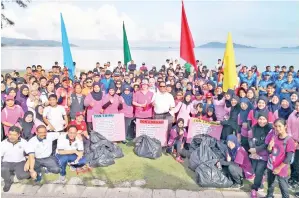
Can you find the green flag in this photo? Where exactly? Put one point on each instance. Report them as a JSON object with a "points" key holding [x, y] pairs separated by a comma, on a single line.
{"points": [[127, 53]]}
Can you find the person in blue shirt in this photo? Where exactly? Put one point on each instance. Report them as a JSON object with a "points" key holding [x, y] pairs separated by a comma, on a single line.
{"points": [[268, 71], [284, 70], [270, 90], [243, 73], [288, 87], [250, 79], [279, 81], [262, 87], [292, 70], [106, 81], [297, 78], [276, 73]]}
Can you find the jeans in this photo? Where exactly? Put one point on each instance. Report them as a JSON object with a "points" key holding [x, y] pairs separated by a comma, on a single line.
{"points": [[64, 159], [282, 182], [259, 167], [8, 169], [50, 163]]}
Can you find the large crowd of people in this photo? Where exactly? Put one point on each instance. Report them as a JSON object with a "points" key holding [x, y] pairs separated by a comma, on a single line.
{"points": [[47, 116]]}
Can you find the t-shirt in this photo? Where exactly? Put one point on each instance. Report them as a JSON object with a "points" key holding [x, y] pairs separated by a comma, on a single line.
{"points": [[278, 153], [80, 127], [243, 161], [55, 116]]}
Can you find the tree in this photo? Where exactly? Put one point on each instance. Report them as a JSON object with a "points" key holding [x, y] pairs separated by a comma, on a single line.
{"points": [[4, 19]]}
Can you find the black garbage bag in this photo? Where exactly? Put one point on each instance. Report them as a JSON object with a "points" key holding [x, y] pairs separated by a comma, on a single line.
{"points": [[209, 176], [117, 152], [96, 137], [147, 147], [102, 157]]}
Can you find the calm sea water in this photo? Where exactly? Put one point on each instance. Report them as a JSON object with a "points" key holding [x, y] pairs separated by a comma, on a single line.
{"points": [[20, 57]]}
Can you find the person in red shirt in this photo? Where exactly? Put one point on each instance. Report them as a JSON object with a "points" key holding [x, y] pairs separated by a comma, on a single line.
{"points": [[81, 125]]}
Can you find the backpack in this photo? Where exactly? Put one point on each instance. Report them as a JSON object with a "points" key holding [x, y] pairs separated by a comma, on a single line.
{"points": [[285, 141]]}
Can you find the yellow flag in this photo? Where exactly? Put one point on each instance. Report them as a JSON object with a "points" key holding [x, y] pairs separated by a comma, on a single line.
{"points": [[230, 80]]}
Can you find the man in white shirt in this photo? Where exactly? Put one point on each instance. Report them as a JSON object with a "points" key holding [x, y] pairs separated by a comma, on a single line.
{"points": [[163, 103], [55, 116], [41, 147], [70, 149], [13, 160]]}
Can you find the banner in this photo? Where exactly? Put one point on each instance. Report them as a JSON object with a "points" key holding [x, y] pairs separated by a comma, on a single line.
{"points": [[153, 128], [111, 126], [197, 127]]}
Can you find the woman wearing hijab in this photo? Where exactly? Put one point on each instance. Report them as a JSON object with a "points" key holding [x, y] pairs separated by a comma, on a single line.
{"points": [[189, 88], [3, 94], [184, 109], [126, 100], [230, 125], [210, 115], [119, 87], [111, 103], [260, 108], [28, 126], [93, 103], [284, 111], [294, 97], [246, 106], [22, 97], [177, 139], [258, 149], [237, 162], [39, 109], [274, 104]]}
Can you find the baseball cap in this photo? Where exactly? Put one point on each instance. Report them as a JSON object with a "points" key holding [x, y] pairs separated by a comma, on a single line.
{"points": [[209, 95], [108, 72], [116, 74], [65, 79], [9, 98], [79, 114]]}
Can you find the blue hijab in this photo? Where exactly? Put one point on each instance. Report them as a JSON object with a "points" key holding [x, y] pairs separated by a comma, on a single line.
{"points": [[233, 152], [128, 98], [244, 113], [285, 113]]}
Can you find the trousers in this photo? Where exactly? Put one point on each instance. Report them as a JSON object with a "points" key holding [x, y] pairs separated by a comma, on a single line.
{"points": [[295, 167], [165, 116], [282, 182], [50, 163], [9, 169], [64, 159], [234, 172], [259, 167]]}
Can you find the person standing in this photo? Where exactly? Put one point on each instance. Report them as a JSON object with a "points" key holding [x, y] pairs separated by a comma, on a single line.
{"points": [[163, 103], [13, 158]]}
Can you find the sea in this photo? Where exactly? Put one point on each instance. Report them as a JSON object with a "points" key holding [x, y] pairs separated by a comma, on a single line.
{"points": [[18, 58]]}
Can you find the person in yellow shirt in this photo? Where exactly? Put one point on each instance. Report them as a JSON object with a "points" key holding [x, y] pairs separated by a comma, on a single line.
{"points": [[88, 87]]}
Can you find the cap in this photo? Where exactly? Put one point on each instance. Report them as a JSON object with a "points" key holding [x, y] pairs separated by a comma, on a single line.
{"points": [[65, 79], [96, 74], [108, 72], [116, 74], [209, 95], [9, 98], [79, 114], [198, 94]]}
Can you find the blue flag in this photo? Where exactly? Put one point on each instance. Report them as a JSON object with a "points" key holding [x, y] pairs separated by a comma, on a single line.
{"points": [[67, 55]]}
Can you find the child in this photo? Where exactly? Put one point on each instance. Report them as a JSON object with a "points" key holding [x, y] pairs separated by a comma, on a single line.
{"points": [[258, 150], [237, 162], [246, 106], [210, 115], [27, 126], [81, 126], [281, 148], [199, 111], [177, 138]]}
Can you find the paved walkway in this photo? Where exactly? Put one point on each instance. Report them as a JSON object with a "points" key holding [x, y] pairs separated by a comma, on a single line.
{"points": [[79, 191]]}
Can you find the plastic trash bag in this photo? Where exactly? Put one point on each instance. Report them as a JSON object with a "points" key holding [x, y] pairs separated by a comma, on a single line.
{"points": [[102, 158], [147, 147]]}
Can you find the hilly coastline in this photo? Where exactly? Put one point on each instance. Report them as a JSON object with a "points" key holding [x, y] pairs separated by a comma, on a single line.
{"points": [[30, 43]]}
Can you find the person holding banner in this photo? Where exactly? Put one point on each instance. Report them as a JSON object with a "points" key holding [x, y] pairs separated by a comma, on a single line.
{"points": [[163, 103]]}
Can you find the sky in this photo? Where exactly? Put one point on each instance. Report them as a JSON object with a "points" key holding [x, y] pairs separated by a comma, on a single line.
{"points": [[264, 24]]}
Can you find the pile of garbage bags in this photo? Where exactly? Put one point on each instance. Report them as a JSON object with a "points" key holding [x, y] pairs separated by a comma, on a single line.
{"points": [[147, 147], [101, 152], [205, 152]]}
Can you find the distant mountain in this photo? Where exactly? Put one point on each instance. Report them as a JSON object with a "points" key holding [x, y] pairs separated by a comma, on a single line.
{"points": [[290, 47], [222, 45], [6, 42]]}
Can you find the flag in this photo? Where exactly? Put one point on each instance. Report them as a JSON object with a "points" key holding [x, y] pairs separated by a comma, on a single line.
{"points": [[127, 53], [67, 55], [187, 43], [230, 80]]}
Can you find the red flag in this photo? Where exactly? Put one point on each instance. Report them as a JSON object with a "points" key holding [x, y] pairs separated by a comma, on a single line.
{"points": [[187, 43]]}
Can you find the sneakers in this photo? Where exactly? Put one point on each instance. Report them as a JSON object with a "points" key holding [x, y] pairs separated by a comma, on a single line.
{"points": [[38, 178], [235, 185], [7, 186], [62, 179], [72, 168], [253, 193], [180, 160]]}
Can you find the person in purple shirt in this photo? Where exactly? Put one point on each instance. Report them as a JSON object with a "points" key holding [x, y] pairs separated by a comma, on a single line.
{"points": [[258, 150], [281, 148], [22, 97]]}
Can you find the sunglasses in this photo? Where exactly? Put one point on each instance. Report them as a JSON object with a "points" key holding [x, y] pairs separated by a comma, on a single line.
{"points": [[162, 86], [89, 81]]}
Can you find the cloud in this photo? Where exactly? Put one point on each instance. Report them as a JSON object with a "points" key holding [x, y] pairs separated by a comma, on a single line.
{"points": [[42, 21]]}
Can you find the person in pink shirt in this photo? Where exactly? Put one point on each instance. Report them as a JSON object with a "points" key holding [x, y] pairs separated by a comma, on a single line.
{"points": [[219, 104], [142, 100], [210, 115], [184, 109], [93, 102], [64, 93], [293, 131], [281, 148], [111, 102], [10, 114], [237, 164], [127, 110]]}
